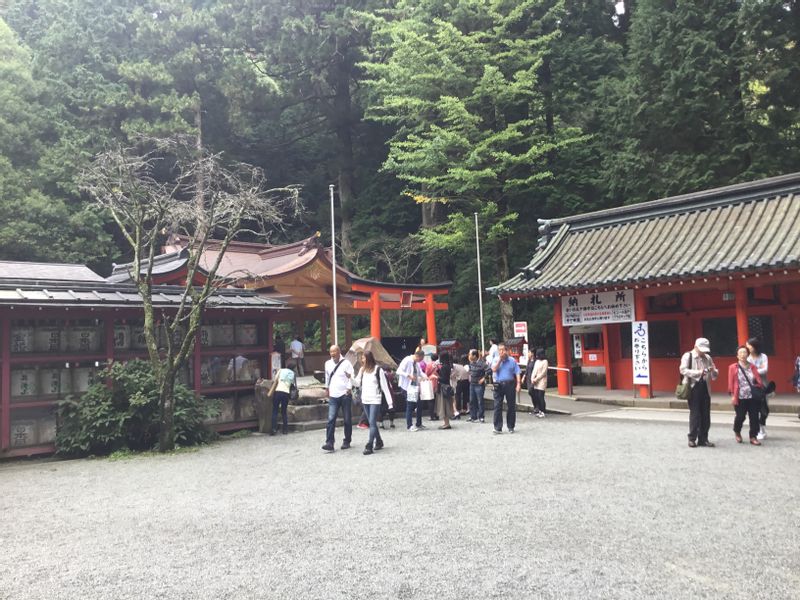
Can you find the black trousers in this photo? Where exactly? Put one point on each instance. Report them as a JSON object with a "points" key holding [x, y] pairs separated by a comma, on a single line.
{"points": [[507, 390], [763, 412], [462, 395], [537, 399], [749, 408], [699, 413]]}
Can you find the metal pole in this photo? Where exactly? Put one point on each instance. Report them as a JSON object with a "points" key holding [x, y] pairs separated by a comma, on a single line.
{"points": [[480, 286], [335, 324]]}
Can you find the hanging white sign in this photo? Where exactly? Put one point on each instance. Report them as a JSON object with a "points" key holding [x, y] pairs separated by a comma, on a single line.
{"points": [[641, 353], [577, 346], [600, 307], [521, 330]]}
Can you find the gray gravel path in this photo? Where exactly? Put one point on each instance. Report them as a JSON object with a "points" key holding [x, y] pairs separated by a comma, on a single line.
{"points": [[564, 508]]}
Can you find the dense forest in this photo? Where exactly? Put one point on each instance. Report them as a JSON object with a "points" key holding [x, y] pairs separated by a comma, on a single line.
{"points": [[422, 112]]}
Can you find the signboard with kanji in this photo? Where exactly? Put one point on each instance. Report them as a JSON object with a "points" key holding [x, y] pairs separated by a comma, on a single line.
{"points": [[521, 330], [600, 307], [641, 353]]}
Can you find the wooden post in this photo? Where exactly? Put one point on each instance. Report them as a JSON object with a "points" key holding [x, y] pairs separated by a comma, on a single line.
{"points": [[348, 331], [375, 315], [742, 327], [640, 303], [562, 350], [607, 359], [430, 319], [5, 383], [323, 332]]}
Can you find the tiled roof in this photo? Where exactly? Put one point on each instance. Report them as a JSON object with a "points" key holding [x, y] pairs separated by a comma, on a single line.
{"points": [[102, 294], [162, 264], [743, 228], [36, 271]]}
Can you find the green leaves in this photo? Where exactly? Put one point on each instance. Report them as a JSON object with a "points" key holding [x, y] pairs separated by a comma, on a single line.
{"points": [[121, 411]]}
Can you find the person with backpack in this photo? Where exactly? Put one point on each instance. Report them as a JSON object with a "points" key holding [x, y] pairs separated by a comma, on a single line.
{"points": [[338, 385], [696, 369], [374, 390], [282, 385], [747, 390]]}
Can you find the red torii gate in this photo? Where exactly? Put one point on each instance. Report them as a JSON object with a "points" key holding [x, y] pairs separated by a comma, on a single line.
{"points": [[421, 298]]}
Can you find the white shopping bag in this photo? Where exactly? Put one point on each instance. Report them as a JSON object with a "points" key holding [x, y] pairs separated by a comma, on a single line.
{"points": [[426, 390], [412, 394]]}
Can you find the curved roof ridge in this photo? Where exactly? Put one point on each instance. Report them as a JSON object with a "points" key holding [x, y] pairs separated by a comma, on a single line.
{"points": [[690, 202]]}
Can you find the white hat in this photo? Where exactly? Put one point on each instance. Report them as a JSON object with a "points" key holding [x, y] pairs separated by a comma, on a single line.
{"points": [[702, 344]]}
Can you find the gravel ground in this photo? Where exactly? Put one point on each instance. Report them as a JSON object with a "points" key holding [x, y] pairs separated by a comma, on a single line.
{"points": [[564, 508]]}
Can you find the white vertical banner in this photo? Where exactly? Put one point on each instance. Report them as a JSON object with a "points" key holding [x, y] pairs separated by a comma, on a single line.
{"points": [[577, 346], [641, 353], [521, 330]]}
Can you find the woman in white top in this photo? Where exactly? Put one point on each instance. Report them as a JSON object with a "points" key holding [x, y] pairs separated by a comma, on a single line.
{"points": [[760, 361], [372, 381]]}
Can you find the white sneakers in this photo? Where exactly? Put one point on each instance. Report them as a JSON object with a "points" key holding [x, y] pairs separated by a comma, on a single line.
{"points": [[413, 428], [762, 434]]}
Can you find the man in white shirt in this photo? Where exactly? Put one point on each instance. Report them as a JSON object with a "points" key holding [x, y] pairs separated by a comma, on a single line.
{"points": [[338, 385], [408, 374], [298, 355]]}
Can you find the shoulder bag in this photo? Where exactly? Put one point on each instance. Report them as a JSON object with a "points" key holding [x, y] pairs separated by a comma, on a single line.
{"points": [[757, 392], [684, 390]]}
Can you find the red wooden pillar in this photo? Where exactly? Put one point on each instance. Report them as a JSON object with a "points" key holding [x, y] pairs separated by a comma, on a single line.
{"points": [[742, 327], [430, 319], [562, 350], [5, 383], [607, 358], [645, 391], [375, 315]]}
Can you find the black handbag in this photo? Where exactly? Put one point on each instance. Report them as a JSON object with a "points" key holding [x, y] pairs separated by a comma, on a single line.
{"points": [[757, 392]]}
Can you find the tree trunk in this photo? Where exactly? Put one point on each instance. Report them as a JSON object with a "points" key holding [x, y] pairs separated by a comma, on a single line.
{"points": [[506, 310], [343, 125], [166, 434], [199, 197]]}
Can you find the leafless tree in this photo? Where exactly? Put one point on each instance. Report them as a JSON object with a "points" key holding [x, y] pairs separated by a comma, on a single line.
{"points": [[162, 186]]}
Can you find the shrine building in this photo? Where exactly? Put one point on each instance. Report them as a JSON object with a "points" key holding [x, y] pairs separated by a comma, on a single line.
{"points": [[633, 287], [300, 275]]}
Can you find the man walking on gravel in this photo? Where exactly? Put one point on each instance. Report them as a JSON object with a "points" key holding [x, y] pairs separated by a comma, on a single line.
{"points": [[697, 369], [339, 384], [506, 376]]}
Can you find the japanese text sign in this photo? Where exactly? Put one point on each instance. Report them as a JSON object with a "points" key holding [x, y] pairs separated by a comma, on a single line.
{"points": [[600, 307], [641, 353]]}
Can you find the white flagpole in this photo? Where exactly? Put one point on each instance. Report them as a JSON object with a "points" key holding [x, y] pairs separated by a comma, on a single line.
{"points": [[335, 324], [480, 286]]}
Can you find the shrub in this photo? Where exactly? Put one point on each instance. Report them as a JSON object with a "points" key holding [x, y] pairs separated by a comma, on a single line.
{"points": [[120, 411]]}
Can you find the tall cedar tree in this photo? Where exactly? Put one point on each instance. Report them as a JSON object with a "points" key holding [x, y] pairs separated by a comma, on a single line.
{"points": [[460, 81]]}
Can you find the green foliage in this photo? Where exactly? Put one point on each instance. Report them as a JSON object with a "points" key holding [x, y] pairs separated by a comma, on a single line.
{"points": [[124, 414]]}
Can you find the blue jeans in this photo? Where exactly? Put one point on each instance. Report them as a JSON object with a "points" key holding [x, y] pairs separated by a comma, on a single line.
{"points": [[476, 393], [346, 402], [507, 389], [280, 400], [373, 410], [410, 406]]}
